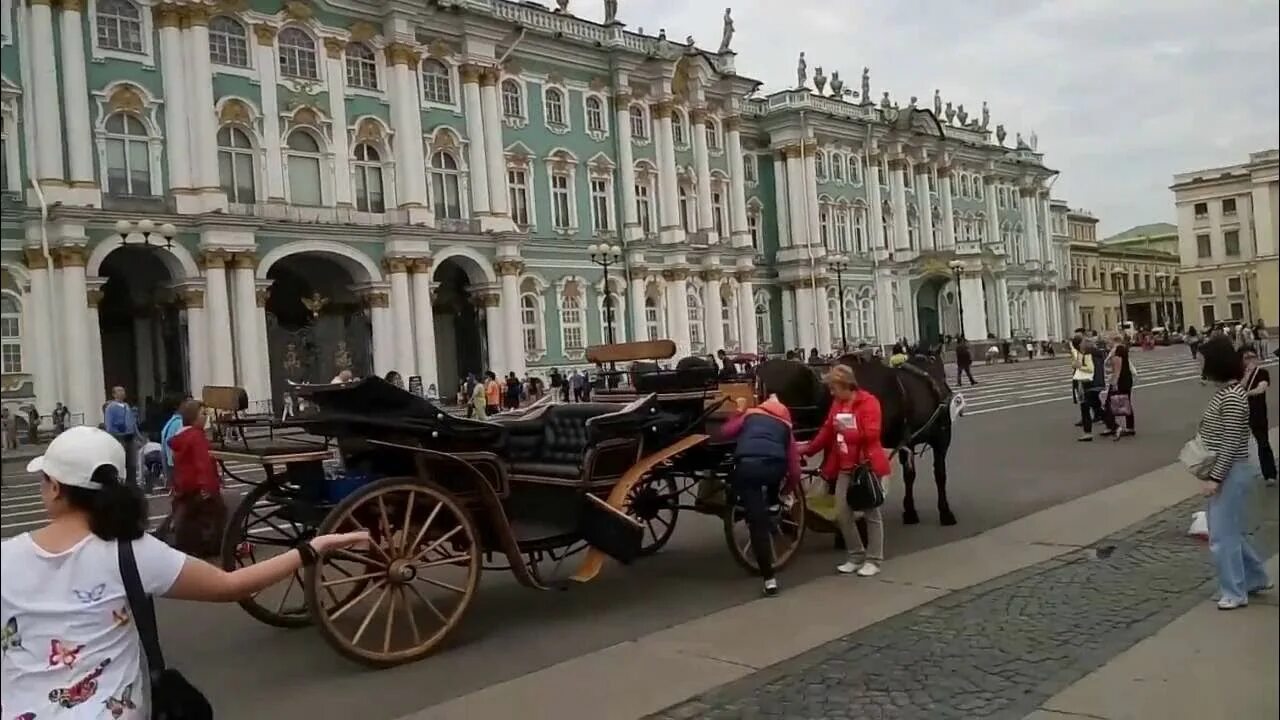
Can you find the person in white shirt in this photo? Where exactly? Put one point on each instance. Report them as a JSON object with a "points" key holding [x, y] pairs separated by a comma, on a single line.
{"points": [[70, 651]]}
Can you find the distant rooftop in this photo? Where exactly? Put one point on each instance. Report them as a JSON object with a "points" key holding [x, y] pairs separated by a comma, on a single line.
{"points": [[1262, 157], [1150, 230]]}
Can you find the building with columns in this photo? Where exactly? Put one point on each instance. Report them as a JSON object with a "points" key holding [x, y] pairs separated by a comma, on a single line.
{"points": [[254, 192], [1227, 240]]}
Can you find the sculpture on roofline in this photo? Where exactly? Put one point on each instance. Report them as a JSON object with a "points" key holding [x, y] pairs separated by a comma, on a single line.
{"points": [[950, 113], [562, 6], [1018, 143], [802, 71], [1033, 141], [726, 36], [937, 103], [819, 80], [1001, 135], [961, 115], [837, 85], [986, 116], [866, 86], [912, 105], [885, 104], [610, 12]]}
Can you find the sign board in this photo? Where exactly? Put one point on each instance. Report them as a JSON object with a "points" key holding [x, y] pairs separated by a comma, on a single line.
{"points": [[415, 385]]}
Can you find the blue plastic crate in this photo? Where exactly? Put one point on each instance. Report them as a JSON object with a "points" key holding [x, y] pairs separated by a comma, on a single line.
{"points": [[342, 485]]}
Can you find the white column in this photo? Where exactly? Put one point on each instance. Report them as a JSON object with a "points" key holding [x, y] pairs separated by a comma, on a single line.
{"points": [[748, 342], [780, 199], [204, 126], [788, 317], [1264, 225], [336, 79], [806, 323], [406, 117], [383, 327], [479, 184], [924, 202], [797, 197], [1003, 322], [495, 154], [638, 292], [252, 362], [993, 213], [678, 310], [1030, 233], [397, 270], [702, 166], [75, 96], [197, 340], [493, 329], [972, 300], [97, 373], [44, 77], [44, 362], [669, 200], [144, 357], [875, 206], [76, 335], [811, 193], [260, 294], [1046, 230], [737, 189], [886, 321], [174, 65], [510, 303], [898, 195], [271, 140], [627, 177], [218, 317], [424, 324], [713, 304], [823, 319], [945, 208]]}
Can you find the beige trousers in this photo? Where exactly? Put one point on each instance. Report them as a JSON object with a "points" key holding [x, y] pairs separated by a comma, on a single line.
{"points": [[846, 518]]}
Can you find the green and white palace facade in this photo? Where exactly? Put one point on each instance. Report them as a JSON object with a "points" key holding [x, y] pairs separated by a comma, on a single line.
{"points": [[252, 193]]}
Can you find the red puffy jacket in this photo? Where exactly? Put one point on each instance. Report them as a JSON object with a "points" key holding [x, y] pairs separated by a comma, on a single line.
{"points": [[862, 442], [194, 471]]}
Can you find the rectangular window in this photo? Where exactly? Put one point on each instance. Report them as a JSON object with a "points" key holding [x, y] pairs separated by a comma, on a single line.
{"points": [[1202, 210], [518, 192], [1204, 248], [717, 212], [560, 200], [753, 227], [1237, 311], [651, 323], [824, 227], [644, 208], [600, 204], [10, 339], [1206, 287], [1231, 243], [1229, 206], [1234, 285]]}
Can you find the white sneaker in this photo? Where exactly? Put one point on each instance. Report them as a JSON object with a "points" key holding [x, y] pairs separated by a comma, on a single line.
{"points": [[868, 569], [847, 567], [1230, 604]]}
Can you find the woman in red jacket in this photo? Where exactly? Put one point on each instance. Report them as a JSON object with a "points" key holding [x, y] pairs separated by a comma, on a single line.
{"points": [[849, 437], [199, 512]]}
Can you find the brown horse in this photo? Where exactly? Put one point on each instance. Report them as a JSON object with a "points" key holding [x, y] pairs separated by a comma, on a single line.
{"points": [[914, 402]]}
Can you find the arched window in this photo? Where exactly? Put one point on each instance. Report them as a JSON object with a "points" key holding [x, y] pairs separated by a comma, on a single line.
{"points": [[749, 169], [717, 208], [119, 26], [833, 316], [764, 326], [228, 42], [977, 187], [964, 185], [235, 165], [554, 98], [572, 324], [855, 169], [842, 229], [713, 134], [128, 156], [837, 167], [824, 225], [639, 126], [688, 210], [446, 182], [980, 224], [362, 67], [437, 83], [368, 170], [10, 334], [530, 323], [753, 227], [859, 229], [304, 169], [512, 100], [820, 165], [297, 54], [652, 319], [679, 130], [696, 328], [866, 315], [595, 114], [728, 326]]}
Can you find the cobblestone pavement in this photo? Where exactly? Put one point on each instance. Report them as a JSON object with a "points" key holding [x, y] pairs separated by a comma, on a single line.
{"points": [[999, 649]]}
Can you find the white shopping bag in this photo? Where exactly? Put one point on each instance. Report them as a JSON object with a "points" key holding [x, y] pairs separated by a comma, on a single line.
{"points": [[1199, 525], [957, 406]]}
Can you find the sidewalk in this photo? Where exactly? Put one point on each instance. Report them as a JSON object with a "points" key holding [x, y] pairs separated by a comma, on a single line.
{"points": [[1205, 665], [995, 625]]}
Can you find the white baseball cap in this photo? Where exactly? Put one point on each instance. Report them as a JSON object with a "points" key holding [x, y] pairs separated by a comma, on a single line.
{"points": [[78, 452]]}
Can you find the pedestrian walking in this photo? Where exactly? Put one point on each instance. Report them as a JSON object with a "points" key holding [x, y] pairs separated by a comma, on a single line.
{"points": [[1256, 381], [61, 415], [170, 428], [765, 454], [121, 423], [1193, 341], [1092, 371], [964, 363], [513, 391], [69, 635], [492, 394], [1120, 391], [849, 441], [199, 512], [10, 421], [33, 425], [478, 407], [576, 383], [1224, 436], [898, 356]]}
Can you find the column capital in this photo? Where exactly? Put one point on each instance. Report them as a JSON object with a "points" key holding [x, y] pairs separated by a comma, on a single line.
{"points": [[334, 47], [663, 108], [401, 54], [487, 298], [897, 163], [791, 152], [510, 266], [244, 261], [422, 265], [70, 256], [1027, 192], [469, 73], [212, 259], [71, 5], [196, 15], [697, 115], [261, 295], [489, 76], [712, 275], [395, 264], [93, 296], [266, 34], [744, 276], [167, 16], [732, 123], [944, 171], [33, 258], [675, 274], [192, 297], [375, 299], [622, 97]]}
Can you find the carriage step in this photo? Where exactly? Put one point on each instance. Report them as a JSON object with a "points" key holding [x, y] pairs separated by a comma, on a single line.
{"points": [[538, 530]]}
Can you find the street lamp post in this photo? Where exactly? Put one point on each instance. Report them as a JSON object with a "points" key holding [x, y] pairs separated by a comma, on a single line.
{"points": [[956, 266], [152, 235], [1161, 277], [1117, 277], [606, 256], [840, 263]]}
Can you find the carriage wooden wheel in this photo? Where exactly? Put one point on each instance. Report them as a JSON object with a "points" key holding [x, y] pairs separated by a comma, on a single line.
{"points": [[416, 580], [655, 502], [788, 534], [262, 526]]}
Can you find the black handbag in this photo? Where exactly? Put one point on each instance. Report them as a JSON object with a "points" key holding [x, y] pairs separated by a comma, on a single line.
{"points": [[865, 492], [172, 696]]}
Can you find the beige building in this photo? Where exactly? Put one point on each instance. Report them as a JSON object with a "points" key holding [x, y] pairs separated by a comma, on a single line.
{"points": [[1227, 240]]}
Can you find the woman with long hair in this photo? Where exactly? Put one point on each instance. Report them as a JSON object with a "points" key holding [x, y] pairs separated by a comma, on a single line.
{"points": [[68, 636], [1120, 391]]}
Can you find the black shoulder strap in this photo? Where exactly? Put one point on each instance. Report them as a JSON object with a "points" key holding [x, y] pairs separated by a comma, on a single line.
{"points": [[141, 607]]}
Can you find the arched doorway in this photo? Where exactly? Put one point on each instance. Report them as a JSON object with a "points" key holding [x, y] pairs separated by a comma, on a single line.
{"points": [[461, 346], [316, 323], [144, 347], [930, 310]]}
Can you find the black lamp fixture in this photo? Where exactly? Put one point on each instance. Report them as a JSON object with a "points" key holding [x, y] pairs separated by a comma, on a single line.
{"points": [[840, 263], [606, 256], [957, 266], [146, 233]]}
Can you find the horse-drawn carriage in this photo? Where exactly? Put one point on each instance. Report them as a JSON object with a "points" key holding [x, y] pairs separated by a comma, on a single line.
{"points": [[445, 497]]}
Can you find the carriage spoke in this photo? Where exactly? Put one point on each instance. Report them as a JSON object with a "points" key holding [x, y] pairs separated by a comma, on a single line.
{"points": [[408, 611], [422, 532], [339, 612], [385, 523], [285, 595], [373, 544], [438, 541], [408, 519], [351, 579], [391, 616], [362, 559], [432, 606], [443, 584], [451, 560], [368, 617]]}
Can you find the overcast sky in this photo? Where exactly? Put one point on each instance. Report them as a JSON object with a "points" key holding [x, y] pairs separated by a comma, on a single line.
{"points": [[1121, 93]]}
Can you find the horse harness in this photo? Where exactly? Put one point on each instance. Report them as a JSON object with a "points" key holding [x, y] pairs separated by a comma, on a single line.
{"points": [[938, 412]]}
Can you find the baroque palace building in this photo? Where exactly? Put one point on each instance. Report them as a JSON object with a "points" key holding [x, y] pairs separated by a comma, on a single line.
{"points": [[252, 193]]}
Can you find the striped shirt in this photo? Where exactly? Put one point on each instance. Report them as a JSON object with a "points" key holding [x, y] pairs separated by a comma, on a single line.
{"points": [[1224, 429]]}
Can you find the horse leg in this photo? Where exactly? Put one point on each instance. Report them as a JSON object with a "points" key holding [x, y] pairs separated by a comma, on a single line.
{"points": [[940, 445], [909, 516]]}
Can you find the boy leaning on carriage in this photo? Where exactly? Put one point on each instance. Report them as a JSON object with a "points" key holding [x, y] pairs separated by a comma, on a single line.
{"points": [[765, 455]]}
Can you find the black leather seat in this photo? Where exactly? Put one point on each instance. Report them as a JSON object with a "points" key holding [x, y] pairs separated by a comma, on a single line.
{"points": [[564, 441]]}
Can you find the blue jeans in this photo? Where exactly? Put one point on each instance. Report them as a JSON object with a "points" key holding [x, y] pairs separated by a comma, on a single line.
{"points": [[1239, 567]]}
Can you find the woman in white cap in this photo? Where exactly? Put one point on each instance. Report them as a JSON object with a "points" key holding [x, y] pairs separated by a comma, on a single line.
{"points": [[68, 639]]}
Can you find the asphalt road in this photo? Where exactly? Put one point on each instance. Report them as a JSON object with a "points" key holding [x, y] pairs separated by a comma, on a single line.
{"points": [[1014, 453]]}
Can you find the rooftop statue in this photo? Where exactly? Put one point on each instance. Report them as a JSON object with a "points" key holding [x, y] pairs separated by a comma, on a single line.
{"points": [[562, 6], [884, 101], [962, 115], [986, 116], [610, 12], [1034, 141], [937, 103], [1000, 135], [802, 71], [819, 80], [837, 85], [866, 86], [726, 36]]}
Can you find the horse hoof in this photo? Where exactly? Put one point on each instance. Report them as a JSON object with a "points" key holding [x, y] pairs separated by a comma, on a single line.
{"points": [[910, 517], [948, 519]]}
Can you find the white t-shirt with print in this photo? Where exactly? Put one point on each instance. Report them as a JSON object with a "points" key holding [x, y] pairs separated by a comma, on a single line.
{"points": [[71, 651]]}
